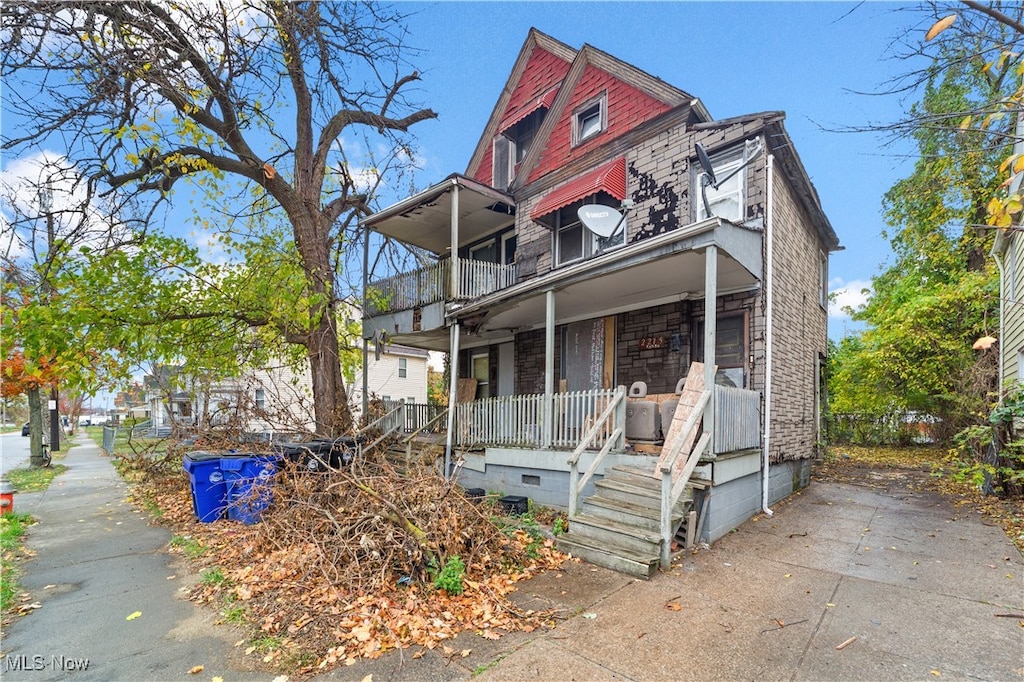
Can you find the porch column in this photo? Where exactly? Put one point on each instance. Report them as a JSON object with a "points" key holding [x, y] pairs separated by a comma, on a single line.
{"points": [[453, 388], [710, 335], [455, 241], [366, 342], [549, 368]]}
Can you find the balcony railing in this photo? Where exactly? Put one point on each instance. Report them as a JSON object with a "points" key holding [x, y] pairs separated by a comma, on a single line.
{"points": [[433, 283]]}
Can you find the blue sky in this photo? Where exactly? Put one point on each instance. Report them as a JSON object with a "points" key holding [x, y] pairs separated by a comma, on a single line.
{"points": [[807, 59]]}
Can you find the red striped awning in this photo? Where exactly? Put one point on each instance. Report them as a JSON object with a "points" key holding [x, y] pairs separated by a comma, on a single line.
{"points": [[519, 114], [610, 178]]}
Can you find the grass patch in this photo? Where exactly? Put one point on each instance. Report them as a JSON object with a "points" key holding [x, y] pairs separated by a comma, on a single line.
{"points": [[12, 528], [235, 614], [34, 479], [189, 546], [213, 576]]}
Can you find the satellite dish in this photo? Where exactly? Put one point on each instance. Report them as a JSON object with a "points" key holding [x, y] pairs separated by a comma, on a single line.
{"points": [[602, 220], [705, 162]]}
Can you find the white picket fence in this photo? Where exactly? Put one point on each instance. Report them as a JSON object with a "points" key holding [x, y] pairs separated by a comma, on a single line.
{"points": [[519, 420]]}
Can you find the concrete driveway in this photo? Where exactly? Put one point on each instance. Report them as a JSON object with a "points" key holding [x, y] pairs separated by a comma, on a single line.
{"points": [[916, 589]]}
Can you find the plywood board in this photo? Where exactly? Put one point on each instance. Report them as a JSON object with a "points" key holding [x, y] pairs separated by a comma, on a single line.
{"points": [[692, 390], [466, 391]]}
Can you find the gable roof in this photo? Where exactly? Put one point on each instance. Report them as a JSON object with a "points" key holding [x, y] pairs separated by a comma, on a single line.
{"points": [[554, 89], [535, 40]]}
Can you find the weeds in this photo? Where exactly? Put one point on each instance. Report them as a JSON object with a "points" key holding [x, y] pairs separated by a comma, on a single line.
{"points": [[213, 576], [12, 527], [189, 546], [34, 479], [450, 577]]}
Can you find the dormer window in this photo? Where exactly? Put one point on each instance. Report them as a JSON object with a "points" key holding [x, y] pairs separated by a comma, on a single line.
{"points": [[512, 145], [590, 119]]}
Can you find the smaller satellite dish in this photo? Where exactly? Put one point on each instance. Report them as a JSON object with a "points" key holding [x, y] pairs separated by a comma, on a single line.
{"points": [[601, 220], [705, 162]]}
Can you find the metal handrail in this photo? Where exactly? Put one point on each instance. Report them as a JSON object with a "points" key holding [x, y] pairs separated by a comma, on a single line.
{"points": [[575, 484]]}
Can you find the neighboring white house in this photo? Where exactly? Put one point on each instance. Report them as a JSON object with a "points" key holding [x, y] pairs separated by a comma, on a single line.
{"points": [[396, 373]]}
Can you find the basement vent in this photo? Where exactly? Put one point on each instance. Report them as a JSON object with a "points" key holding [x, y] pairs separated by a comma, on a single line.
{"points": [[531, 480]]}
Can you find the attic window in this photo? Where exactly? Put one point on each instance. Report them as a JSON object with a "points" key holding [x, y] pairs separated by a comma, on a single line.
{"points": [[511, 146], [590, 119]]}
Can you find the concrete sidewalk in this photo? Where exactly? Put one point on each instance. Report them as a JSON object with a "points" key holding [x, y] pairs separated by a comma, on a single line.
{"points": [[98, 561], [921, 585]]}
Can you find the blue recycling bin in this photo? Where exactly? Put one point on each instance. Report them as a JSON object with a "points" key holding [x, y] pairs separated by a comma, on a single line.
{"points": [[209, 490], [249, 479]]}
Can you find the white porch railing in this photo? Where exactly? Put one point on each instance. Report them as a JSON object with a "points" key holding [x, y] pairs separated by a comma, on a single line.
{"points": [[519, 420], [737, 419], [432, 283]]}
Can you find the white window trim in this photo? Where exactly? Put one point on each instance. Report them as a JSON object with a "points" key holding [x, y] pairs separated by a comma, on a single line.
{"points": [[403, 368], [502, 179], [724, 162], [601, 101]]}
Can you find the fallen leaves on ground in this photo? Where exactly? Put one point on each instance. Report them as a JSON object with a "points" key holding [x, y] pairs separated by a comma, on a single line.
{"points": [[921, 469], [341, 566]]}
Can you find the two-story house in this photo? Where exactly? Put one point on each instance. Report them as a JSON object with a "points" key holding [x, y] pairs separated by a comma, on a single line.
{"points": [[583, 266]]}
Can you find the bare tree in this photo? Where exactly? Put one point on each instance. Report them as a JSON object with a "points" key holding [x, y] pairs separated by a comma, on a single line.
{"points": [[260, 98]]}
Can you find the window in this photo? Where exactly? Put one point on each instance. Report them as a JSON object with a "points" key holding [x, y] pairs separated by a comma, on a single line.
{"points": [[511, 147], [575, 242], [410, 400], [590, 119], [729, 200], [823, 278], [261, 399], [482, 374], [403, 368]]}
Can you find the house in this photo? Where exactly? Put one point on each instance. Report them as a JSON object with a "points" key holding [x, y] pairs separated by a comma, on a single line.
{"points": [[587, 252], [1008, 251], [266, 400], [395, 373]]}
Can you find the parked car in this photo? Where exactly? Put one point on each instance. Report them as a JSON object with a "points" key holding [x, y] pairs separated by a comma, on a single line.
{"points": [[24, 429]]}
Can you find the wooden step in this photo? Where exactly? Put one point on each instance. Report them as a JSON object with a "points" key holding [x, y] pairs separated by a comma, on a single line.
{"points": [[619, 559], [600, 531], [642, 517]]}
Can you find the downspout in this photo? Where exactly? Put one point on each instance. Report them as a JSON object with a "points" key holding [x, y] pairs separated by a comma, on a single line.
{"points": [[998, 253], [768, 282]]}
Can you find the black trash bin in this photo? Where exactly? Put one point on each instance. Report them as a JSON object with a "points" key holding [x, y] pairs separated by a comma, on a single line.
{"points": [[320, 455]]}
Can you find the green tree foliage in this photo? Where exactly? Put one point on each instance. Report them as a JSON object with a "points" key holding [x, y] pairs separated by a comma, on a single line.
{"points": [[256, 106], [941, 292]]}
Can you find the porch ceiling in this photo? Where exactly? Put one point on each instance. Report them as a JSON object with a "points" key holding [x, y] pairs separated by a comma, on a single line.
{"points": [[424, 220], [674, 271]]}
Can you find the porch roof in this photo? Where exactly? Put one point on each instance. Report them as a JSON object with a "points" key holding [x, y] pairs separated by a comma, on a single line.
{"points": [[659, 270], [424, 219]]}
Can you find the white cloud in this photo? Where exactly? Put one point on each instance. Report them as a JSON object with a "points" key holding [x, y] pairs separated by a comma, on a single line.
{"points": [[851, 295]]}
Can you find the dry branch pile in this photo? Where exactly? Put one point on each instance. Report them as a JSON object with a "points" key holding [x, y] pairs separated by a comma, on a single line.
{"points": [[342, 565]]}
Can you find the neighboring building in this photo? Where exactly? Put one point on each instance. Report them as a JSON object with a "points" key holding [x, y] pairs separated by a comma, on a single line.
{"points": [[1008, 251], [273, 399], [396, 373], [547, 315]]}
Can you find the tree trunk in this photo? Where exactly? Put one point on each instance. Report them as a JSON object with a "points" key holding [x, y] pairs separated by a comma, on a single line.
{"points": [[330, 402], [35, 417]]}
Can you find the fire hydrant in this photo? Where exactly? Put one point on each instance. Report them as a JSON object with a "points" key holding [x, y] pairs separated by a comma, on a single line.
{"points": [[6, 497]]}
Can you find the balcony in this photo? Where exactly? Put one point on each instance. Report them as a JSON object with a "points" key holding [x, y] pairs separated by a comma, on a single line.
{"points": [[433, 284]]}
